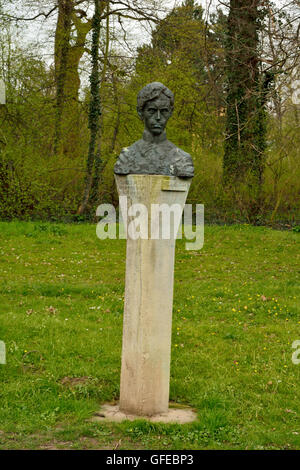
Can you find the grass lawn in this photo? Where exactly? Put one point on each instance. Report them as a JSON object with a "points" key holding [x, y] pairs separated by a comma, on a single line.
{"points": [[236, 315]]}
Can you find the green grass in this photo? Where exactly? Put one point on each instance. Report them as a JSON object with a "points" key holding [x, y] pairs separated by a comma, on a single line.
{"points": [[236, 315]]}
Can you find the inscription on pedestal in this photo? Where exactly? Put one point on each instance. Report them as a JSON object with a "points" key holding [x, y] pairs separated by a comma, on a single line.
{"points": [[172, 184]]}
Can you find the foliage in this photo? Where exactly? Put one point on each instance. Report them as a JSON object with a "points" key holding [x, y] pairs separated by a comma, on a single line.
{"points": [[186, 52]]}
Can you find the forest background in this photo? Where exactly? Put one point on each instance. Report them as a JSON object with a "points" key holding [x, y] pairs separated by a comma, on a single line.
{"points": [[71, 87]]}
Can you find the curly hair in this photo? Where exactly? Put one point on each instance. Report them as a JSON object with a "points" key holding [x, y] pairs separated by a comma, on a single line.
{"points": [[151, 92]]}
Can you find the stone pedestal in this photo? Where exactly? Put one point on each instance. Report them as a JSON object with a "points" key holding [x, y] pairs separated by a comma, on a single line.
{"points": [[147, 324]]}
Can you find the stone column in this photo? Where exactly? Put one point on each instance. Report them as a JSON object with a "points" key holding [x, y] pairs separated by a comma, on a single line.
{"points": [[147, 326]]}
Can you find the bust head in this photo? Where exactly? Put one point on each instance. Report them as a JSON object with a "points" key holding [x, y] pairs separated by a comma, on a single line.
{"points": [[154, 154], [155, 103]]}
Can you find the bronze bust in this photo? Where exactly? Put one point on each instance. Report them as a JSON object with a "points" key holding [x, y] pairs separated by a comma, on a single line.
{"points": [[154, 154]]}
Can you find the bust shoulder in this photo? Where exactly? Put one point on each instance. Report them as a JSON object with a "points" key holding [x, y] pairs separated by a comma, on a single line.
{"points": [[182, 153], [172, 147], [126, 151], [127, 159], [183, 163], [145, 157]]}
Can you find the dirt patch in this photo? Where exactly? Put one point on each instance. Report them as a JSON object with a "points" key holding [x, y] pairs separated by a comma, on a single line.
{"points": [[73, 381], [89, 443], [57, 445], [48, 447]]}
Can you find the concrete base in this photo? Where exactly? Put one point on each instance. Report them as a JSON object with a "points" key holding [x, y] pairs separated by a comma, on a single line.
{"points": [[173, 415]]}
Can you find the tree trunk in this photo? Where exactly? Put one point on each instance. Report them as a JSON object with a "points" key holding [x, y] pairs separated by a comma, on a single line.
{"points": [[67, 58], [93, 158], [245, 127], [62, 47]]}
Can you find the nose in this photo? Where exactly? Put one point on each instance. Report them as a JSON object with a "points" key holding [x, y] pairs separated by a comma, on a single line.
{"points": [[158, 115]]}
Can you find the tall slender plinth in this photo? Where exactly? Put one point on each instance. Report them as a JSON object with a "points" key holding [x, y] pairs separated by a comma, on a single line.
{"points": [[147, 324]]}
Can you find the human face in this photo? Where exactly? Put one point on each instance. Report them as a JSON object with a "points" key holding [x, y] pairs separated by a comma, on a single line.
{"points": [[156, 114]]}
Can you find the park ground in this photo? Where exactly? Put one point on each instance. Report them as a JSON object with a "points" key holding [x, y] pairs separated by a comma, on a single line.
{"points": [[236, 316]]}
